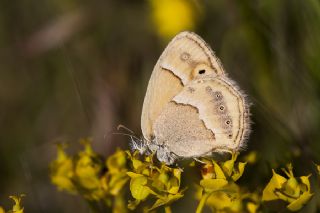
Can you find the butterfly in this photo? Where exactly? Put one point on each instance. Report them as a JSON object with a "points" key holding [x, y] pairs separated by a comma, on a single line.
{"points": [[192, 108]]}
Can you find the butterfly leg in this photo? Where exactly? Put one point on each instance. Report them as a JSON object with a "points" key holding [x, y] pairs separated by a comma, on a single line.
{"points": [[198, 160], [164, 155]]}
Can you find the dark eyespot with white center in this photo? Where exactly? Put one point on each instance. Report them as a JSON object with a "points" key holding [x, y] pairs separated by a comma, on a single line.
{"points": [[226, 122], [222, 109]]}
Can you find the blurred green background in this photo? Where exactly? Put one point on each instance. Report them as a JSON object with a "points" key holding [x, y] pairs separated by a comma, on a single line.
{"points": [[72, 69]]}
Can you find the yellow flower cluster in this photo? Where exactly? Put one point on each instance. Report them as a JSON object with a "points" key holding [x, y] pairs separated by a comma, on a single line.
{"points": [[155, 185], [87, 175], [295, 191], [16, 207], [147, 179], [220, 192]]}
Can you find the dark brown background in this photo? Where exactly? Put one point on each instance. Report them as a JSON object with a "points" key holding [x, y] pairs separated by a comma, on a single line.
{"points": [[71, 69]]}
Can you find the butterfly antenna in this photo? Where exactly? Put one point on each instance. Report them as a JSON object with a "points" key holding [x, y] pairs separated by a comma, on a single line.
{"points": [[120, 126], [136, 143], [126, 134]]}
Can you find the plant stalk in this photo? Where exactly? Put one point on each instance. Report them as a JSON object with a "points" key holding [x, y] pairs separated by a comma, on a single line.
{"points": [[202, 202]]}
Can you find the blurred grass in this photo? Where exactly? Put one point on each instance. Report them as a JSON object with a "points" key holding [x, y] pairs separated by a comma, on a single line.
{"points": [[70, 69]]}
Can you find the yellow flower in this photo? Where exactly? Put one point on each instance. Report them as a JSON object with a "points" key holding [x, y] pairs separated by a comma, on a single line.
{"points": [[295, 191], [116, 177], [318, 168], [17, 204], [218, 189], [228, 199], [117, 162], [88, 170], [251, 157], [228, 170], [173, 16], [147, 179], [17, 208], [62, 171], [252, 207]]}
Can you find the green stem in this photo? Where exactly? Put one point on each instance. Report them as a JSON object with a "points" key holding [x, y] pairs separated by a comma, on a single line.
{"points": [[167, 209], [202, 202]]}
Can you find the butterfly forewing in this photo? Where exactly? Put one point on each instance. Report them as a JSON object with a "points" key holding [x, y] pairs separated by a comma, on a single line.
{"points": [[174, 69]]}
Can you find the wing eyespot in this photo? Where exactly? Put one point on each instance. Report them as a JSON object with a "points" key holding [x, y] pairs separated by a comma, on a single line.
{"points": [[217, 95], [185, 56], [191, 89]]}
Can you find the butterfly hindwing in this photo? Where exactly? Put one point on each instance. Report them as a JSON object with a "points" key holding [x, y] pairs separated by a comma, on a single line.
{"points": [[221, 106]]}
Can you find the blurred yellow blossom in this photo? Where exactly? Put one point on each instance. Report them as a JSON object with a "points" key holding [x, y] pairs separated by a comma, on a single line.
{"points": [[173, 16], [17, 208], [251, 157], [88, 175], [253, 202], [88, 170], [116, 176], [318, 168], [295, 191], [114, 180], [17, 204], [62, 171]]}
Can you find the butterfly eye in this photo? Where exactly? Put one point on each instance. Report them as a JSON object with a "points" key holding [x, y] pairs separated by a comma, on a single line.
{"points": [[228, 122], [202, 72]]}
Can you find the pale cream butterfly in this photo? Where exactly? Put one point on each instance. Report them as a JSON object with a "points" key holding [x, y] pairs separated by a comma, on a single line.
{"points": [[191, 108]]}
